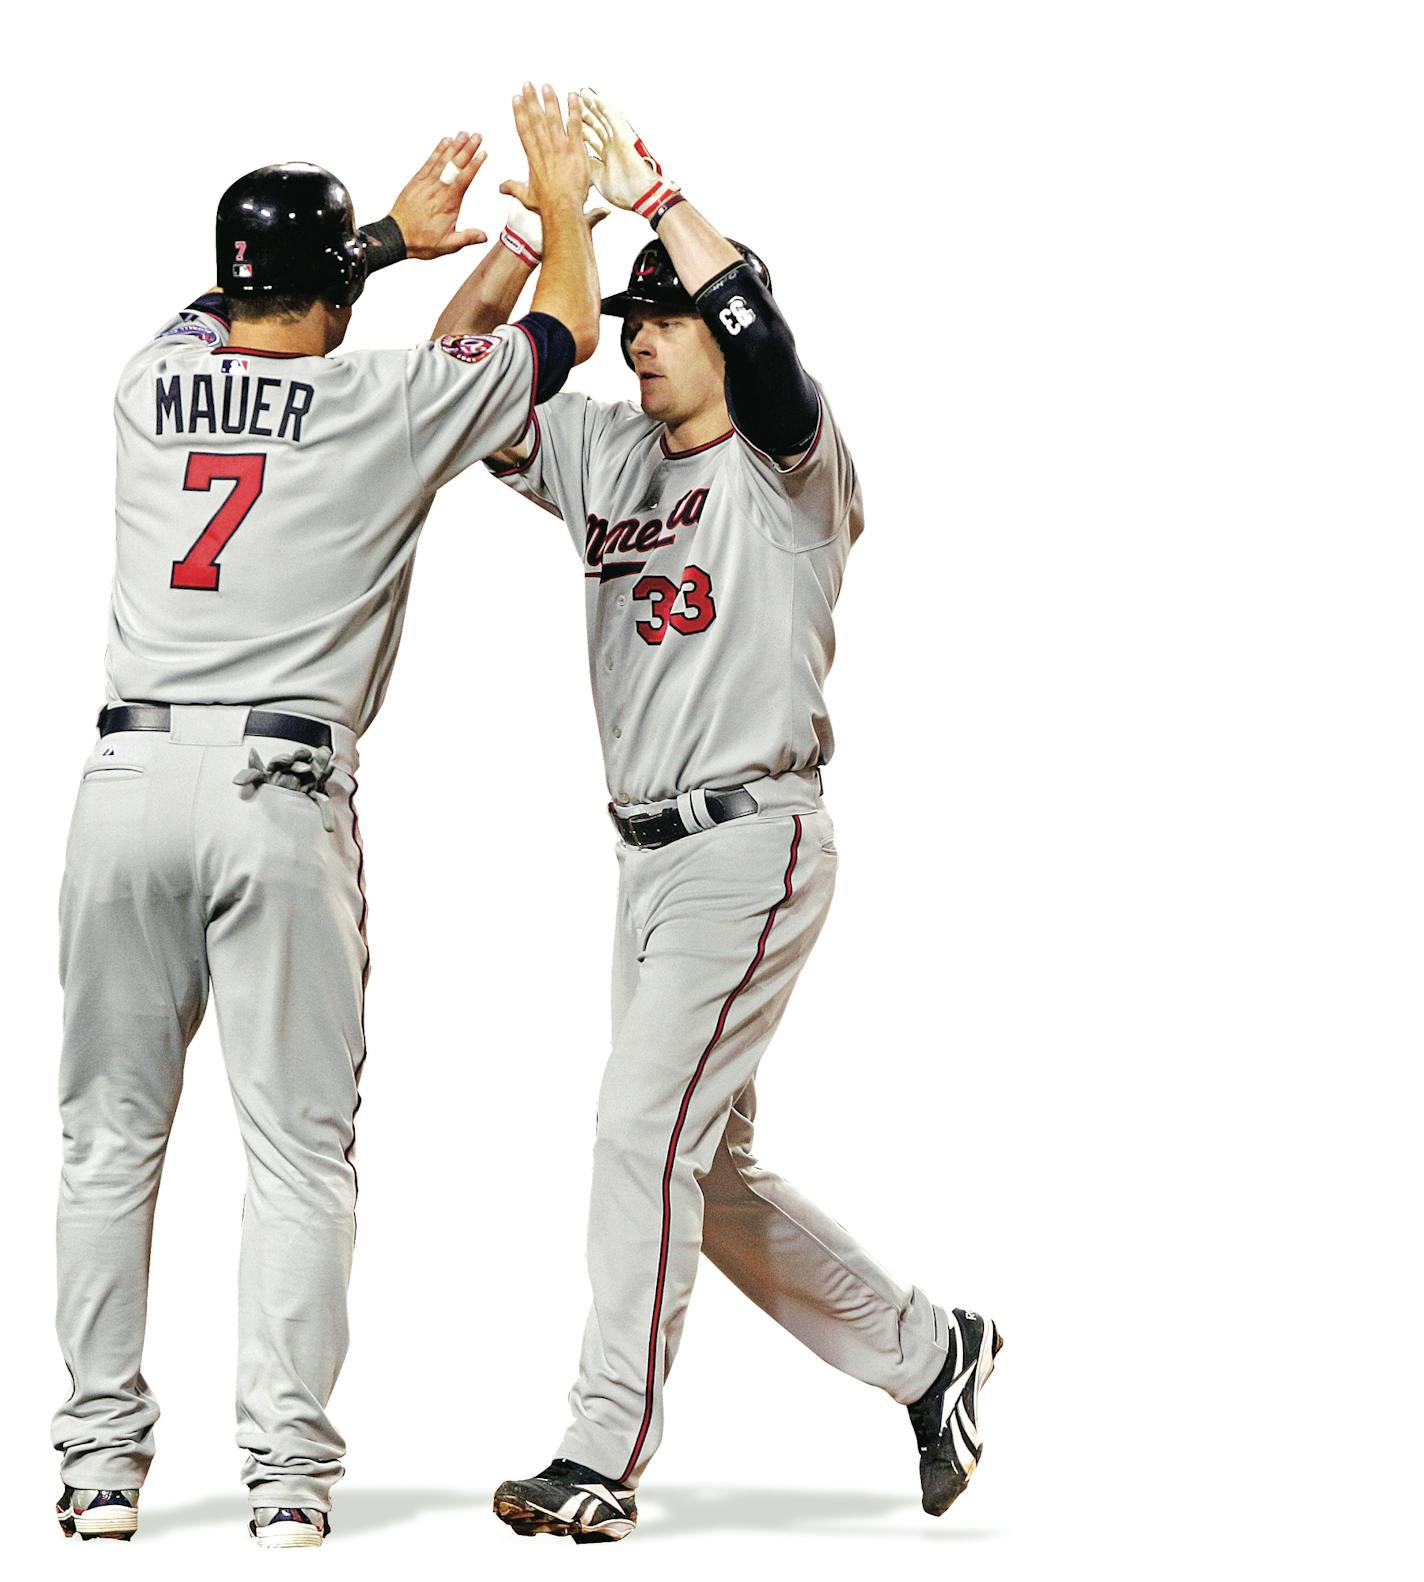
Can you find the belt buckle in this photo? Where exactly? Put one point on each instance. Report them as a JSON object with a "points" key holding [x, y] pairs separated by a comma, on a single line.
{"points": [[633, 833], [627, 828]]}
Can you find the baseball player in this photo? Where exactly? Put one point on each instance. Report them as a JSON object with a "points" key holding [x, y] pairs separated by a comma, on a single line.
{"points": [[270, 495], [714, 519]]}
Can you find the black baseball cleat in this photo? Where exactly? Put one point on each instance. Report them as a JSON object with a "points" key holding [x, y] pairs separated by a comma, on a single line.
{"points": [[946, 1416], [568, 1501], [98, 1513]]}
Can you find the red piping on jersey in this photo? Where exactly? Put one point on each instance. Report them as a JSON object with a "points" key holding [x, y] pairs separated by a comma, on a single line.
{"points": [[254, 351], [677, 1133], [696, 450], [534, 387], [523, 466], [365, 974]]}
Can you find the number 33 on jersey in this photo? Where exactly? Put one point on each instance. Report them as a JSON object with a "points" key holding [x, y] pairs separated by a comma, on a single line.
{"points": [[710, 578]]}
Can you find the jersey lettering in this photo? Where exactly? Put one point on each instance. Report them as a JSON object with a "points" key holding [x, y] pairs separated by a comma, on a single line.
{"points": [[199, 567], [631, 535], [244, 407], [698, 608]]}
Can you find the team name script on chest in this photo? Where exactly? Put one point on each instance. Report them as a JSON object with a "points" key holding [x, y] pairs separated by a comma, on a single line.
{"points": [[608, 546]]}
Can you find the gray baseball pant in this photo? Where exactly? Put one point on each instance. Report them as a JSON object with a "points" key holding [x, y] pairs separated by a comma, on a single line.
{"points": [[711, 936], [173, 880]]}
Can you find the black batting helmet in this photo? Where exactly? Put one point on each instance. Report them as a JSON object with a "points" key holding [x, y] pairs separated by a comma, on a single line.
{"points": [[290, 230], [654, 283]]}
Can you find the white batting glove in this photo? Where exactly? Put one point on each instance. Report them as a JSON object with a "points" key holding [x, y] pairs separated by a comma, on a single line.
{"points": [[624, 170], [523, 234]]}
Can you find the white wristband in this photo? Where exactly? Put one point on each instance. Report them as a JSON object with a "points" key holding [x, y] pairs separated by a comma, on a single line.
{"points": [[523, 234], [521, 249]]}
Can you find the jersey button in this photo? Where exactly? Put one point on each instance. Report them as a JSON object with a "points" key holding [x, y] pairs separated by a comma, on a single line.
{"points": [[621, 600], [608, 662], [617, 730], [622, 799]]}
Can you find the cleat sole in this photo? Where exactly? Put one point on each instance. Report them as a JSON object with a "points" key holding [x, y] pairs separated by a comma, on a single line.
{"points": [[533, 1523]]}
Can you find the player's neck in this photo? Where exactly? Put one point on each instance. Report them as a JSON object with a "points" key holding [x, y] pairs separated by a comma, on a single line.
{"points": [[701, 428], [309, 336]]}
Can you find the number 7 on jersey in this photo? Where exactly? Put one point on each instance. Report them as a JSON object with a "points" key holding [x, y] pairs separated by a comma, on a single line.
{"points": [[199, 567]]}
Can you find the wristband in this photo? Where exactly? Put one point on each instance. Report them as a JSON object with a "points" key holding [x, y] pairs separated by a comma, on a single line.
{"points": [[521, 249], [656, 218], [384, 244]]}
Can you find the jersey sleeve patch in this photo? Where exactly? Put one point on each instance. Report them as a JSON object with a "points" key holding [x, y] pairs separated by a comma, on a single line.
{"points": [[192, 324], [469, 348]]}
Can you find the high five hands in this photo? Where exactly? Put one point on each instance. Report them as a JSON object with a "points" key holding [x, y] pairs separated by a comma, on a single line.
{"points": [[558, 160], [428, 209]]}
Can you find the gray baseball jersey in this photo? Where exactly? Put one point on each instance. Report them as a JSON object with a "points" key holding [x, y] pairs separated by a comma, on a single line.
{"points": [[711, 575], [268, 510], [269, 507]]}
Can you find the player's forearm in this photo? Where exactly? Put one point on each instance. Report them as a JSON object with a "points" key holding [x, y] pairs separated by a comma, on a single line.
{"points": [[568, 277], [487, 297], [696, 246]]}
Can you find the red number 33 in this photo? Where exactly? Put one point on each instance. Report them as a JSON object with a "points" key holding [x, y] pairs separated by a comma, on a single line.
{"points": [[697, 613]]}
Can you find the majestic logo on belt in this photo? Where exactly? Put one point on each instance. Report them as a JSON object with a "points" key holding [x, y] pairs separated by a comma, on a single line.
{"points": [[632, 535]]}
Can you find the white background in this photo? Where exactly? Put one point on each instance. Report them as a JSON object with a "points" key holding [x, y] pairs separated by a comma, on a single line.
{"points": [[1114, 1030]]}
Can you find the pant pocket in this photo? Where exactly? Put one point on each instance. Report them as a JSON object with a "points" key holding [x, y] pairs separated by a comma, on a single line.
{"points": [[114, 772]]}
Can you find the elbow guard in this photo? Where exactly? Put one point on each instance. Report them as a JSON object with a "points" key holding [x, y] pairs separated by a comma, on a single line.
{"points": [[769, 394]]}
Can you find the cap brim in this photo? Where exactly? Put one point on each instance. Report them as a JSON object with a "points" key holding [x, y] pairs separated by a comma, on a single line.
{"points": [[621, 305]]}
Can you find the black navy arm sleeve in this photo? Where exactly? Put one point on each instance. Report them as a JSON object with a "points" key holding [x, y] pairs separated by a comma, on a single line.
{"points": [[554, 347], [770, 396], [385, 244]]}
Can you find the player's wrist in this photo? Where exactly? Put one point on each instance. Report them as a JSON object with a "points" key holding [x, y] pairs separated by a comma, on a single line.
{"points": [[385, 244], [523, 234], [663, 209]]}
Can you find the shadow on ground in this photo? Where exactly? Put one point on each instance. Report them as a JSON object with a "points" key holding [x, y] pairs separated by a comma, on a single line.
{"points": [[665, 1512]]}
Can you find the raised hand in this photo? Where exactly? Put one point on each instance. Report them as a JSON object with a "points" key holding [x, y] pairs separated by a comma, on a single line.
{"points": [[624, 170], [428, 209], [558, 161]]}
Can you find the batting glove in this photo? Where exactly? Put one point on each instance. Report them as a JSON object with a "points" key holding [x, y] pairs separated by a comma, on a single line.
{"points": [[523, 234], [624, 170]]}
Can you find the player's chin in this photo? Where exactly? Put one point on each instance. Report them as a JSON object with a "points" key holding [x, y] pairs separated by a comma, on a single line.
{"points": [[655, 396]]}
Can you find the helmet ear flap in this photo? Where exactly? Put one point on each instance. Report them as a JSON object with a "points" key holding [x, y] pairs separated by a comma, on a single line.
{"points": [[348, 271]]}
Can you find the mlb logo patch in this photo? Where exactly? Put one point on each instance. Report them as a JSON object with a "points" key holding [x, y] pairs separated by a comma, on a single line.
{"points": [[234, 365], [468, 348], [242, 271]]}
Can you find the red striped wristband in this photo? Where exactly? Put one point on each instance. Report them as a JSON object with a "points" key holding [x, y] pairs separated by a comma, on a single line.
{"points": [[520, 248]]}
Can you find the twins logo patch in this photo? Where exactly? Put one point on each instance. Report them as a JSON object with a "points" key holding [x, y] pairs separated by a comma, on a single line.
{"points": [[468, 348]]}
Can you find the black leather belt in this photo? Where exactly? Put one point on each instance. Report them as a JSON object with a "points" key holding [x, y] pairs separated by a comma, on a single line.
{"points": [[661, 829], [260, 722]]}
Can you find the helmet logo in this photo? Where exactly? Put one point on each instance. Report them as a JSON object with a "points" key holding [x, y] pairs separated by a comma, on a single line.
{"points": [[241, 269], [647, 264]]}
